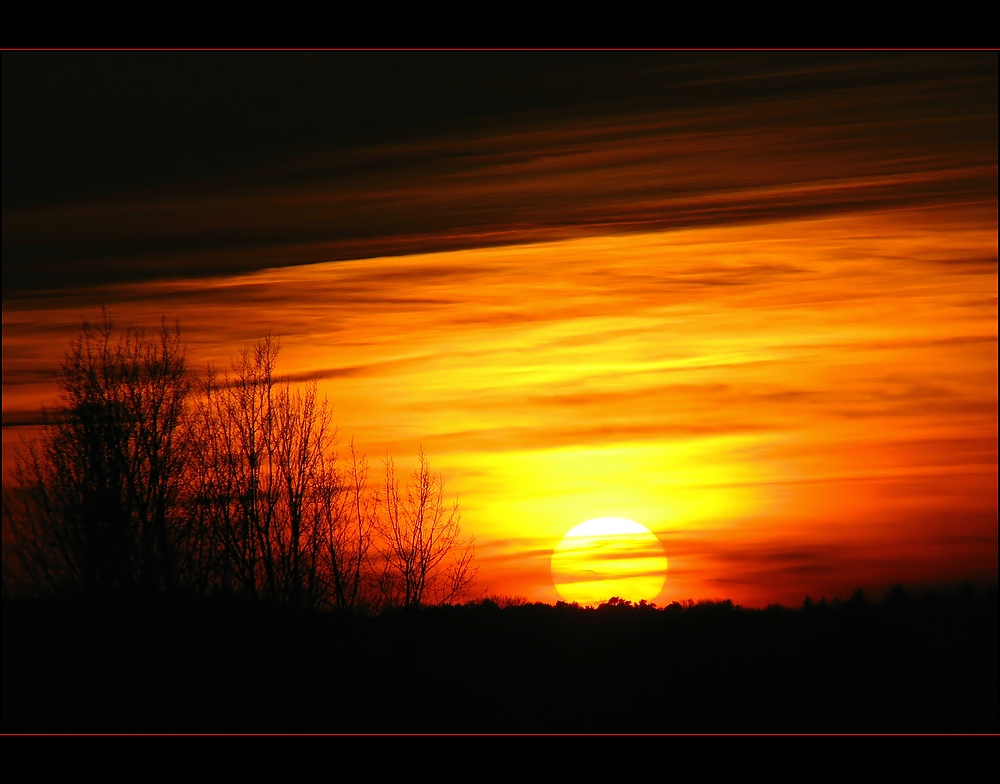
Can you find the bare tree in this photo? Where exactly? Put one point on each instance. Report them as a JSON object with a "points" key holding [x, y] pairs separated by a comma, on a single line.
{"points": [[93, 504], [425, 560], [349, 509], [280, 520], [147, 481], [260, 446], [230, 496]]}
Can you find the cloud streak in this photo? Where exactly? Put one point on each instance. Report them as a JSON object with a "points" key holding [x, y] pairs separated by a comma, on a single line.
{"points": [[628, 170]]}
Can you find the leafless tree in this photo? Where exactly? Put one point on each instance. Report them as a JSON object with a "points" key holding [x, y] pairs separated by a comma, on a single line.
{"points": [[425, 560], [93, 503], [261, 456], [349, 509], [282, 520], [148, 481]]}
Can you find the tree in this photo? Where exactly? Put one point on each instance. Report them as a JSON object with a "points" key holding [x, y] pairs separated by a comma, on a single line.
{"points": [[265, 486], [350, 509], [424, 558], [93, 505], [146, 480], [285, 521]]}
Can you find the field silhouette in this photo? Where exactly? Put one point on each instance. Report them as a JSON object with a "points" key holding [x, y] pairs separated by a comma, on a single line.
{"points": [[905, 664]]}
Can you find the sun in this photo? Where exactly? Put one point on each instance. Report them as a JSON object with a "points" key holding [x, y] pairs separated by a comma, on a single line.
{"points": [[606, 557]]}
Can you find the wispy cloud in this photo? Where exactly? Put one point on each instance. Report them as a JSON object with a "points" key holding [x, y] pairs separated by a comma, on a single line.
{"points": [[794, 154]]}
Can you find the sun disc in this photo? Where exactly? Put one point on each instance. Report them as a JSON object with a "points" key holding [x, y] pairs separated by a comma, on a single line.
{"points": [[606, 557]]}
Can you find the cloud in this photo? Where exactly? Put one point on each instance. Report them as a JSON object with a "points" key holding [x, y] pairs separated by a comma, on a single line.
{"points": [[920, 138]]}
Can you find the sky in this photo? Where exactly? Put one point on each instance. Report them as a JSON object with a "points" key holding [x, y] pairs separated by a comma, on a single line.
{"points": [[748, 300]]}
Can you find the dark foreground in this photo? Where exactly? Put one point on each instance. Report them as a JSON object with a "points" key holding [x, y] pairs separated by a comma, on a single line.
{"points": [[902, 665]]}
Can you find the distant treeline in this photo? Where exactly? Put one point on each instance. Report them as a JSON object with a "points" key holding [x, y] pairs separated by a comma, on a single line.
{"points": [[152, 481], [904, 664]]}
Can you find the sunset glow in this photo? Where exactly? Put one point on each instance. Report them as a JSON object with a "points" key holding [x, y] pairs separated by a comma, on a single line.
{"points": [[792, 408], [787, 372]]}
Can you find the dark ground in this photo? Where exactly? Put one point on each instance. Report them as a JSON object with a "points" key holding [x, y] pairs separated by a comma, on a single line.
{"points": [[902, 665]]}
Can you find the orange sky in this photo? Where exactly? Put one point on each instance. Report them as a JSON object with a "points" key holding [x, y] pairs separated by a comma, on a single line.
{"points": [[747, 299], [794, 407]]}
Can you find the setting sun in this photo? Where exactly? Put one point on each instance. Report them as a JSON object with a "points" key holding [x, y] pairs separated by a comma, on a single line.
{"points": [[608, 557]]}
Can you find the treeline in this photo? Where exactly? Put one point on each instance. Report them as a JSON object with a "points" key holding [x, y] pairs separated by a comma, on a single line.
{"points": [[905, 664], [151, 481]]}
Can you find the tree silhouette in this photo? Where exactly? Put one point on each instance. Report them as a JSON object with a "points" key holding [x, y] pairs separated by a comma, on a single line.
{"points": [[94, 504], [350, 511], [424, 555], [148, 481], [262, 457], [281, 519]]}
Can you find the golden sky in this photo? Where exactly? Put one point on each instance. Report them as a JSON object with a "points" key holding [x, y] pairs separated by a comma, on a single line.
{"points": [[795, 407], [764, 329]]}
